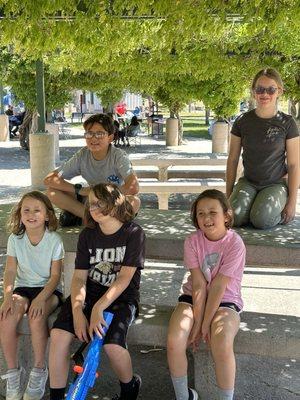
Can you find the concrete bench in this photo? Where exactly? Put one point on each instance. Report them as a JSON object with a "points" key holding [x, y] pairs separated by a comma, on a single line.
{"points": [[182, 172], [262, 339], [163, 189], [163, 165]]}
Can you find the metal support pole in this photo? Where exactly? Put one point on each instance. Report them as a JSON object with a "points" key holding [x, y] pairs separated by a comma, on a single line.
{"points": [[40, 95]]}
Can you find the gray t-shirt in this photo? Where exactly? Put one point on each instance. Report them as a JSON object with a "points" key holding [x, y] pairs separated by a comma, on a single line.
{"points": [[264, 145], [114, 168]]}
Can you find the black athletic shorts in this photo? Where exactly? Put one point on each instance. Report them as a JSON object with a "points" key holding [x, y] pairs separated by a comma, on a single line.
{"points": [[185, 298], [124, 315], [32, 292]]}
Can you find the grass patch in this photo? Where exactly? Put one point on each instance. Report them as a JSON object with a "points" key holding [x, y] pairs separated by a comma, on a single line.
{"points": [[195, 127]]}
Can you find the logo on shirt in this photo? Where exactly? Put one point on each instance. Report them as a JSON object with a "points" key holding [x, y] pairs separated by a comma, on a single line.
{"points": [[107, 265], [209, 263], [273, 133], [113, 179]]}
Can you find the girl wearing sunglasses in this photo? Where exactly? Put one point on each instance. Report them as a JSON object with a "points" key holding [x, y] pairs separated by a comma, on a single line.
{"points": [[267, 193]]}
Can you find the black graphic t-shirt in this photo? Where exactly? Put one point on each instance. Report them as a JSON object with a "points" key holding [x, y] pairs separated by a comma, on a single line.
{"points": [[104, 255], [264, 145]]}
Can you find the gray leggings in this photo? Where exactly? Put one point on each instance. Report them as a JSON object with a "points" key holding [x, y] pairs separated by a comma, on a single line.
{"points": [[262, 206]]}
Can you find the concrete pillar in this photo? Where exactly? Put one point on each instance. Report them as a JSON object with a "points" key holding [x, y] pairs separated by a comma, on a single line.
{"points": [[172, 132], [54, 129], [220, 136], [4, 136], [42, 158]]}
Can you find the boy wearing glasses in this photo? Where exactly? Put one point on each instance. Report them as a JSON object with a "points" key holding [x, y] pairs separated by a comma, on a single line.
{"points": [[98, 162]]}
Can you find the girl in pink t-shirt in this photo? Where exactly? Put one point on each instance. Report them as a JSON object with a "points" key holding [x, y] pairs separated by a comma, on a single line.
{"points": [[210, 302]]}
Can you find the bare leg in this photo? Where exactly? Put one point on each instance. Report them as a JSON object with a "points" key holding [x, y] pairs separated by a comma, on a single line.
{"points": [[59, 357], [8, 331], [40, 333], [65, 201], [120, 361], [180, 326], [224, 328]]}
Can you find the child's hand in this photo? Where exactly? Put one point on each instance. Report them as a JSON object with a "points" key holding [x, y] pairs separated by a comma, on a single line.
{"points": [[81, 326], [97, 322], [194, 338], [205, 331], [37, 308], [6, 308]]}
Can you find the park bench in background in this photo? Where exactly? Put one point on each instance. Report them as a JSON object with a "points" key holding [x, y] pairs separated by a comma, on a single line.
{"points": [[164, 189]]}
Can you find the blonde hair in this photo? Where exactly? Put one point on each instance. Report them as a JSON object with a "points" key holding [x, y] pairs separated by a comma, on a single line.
{"points": [[14, 223], [269, 73], [114, 204]]}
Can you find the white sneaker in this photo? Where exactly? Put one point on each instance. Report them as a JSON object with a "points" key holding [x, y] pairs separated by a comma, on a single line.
{"points": [[193, 395], [36, 384], [15, 383]]}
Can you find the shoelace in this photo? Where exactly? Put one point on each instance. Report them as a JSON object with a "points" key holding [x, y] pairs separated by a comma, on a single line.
{"points": [[13, 380], [35, 380]]}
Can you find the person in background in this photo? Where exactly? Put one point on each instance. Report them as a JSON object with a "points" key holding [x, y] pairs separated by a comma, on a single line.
{"points": [[267, 193], [97, 162]]}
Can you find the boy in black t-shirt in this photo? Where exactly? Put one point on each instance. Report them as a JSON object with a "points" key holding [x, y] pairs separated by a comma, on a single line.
{"points": [[109, 259]]}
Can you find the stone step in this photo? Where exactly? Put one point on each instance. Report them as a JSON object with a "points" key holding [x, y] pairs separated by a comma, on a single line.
{"points": [[166, 231]]}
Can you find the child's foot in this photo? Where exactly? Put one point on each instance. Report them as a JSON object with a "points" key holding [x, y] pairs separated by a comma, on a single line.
{"points": [[133, 393], [36, 385], [193, 395], [15, 383]]}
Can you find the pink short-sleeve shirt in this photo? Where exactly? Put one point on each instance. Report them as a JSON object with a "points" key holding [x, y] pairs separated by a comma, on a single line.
{"points": [[225, 256]]}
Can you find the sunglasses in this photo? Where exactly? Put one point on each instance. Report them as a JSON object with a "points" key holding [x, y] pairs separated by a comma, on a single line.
{"points": [[269, 90], [97, 135]]}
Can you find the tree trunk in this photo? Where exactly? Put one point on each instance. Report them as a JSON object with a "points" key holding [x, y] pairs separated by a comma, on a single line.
{"points": [[207, 115], [180, 127]]}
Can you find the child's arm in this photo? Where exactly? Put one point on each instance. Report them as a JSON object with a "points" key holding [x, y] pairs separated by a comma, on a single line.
{"points": [[131, 185], [199, 294], [214, 299], [115, 290], [37, 307], [78, 294], [8, 286]]}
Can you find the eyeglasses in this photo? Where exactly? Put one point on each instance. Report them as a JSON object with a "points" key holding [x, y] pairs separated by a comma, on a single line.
{"points": [[97, 135], [97, 206], [269, 90]]}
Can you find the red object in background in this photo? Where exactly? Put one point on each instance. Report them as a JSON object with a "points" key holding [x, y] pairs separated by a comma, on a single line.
{"points": [[121, 108]]}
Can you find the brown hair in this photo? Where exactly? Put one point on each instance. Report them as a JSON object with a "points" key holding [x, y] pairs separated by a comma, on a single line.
{"points": [[215, 195], [104, 119], [269, 73], [115, 204], [15, 225]]}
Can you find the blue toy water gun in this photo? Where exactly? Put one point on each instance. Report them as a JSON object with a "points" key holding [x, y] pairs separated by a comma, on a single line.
{"points": [[87, 373]]}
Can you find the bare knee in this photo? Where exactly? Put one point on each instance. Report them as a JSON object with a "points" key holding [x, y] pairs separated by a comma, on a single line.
{"points": [[38, 323], [114, 351], [176, 342], [60, 340]]}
